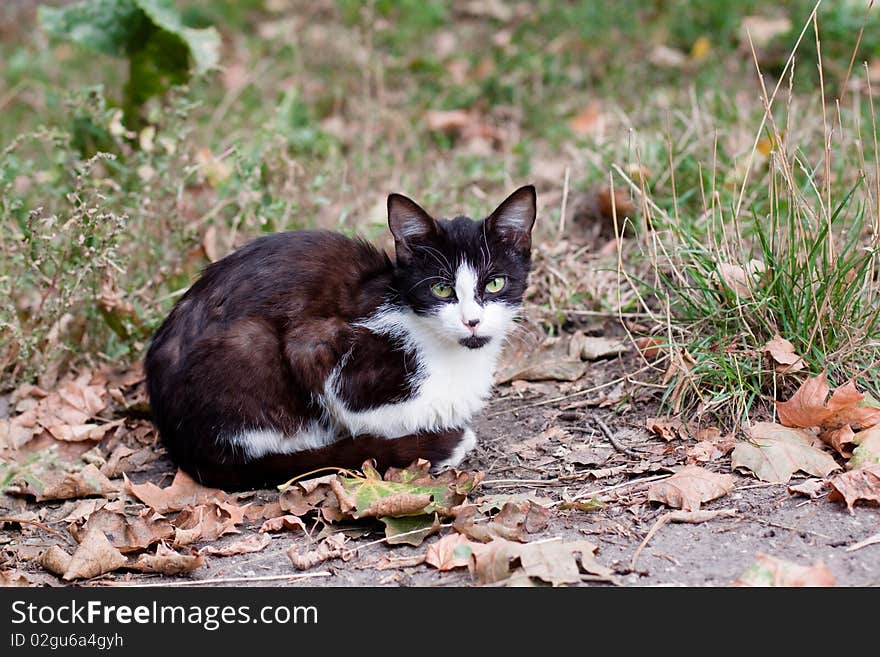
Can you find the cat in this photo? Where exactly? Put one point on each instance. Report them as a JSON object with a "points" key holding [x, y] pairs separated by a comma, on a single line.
{"points": [[308, 349]]}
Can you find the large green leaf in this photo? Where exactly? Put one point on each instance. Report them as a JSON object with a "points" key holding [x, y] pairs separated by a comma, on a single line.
{"points": [[111, 27], [203, 43]]}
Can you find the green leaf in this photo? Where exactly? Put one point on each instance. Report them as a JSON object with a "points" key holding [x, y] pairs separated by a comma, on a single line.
{"points": [[411, 530], [409, 491], [111, 27], [203, 43]]}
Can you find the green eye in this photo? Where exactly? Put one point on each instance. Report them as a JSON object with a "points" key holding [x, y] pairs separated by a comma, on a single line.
{"points": [[442, 290], [496, 284]]}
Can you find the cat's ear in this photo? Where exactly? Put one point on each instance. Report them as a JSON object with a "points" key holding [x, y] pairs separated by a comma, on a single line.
{"points": [[513, 220], [409, 223]]}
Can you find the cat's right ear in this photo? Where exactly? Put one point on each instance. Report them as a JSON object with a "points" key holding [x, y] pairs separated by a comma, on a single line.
{"points": [[409, 223]]}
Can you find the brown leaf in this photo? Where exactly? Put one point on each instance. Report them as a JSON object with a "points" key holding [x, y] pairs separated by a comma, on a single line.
{"points": [[808, 407], [262, 511], [83, 509], [650, 347], [14, 578], [741, 280], [492, 562], [332, 547], [246, 545], [558, 563], [690, 487], [781, 351], [812, 488], [310, 494], [770, 571], [126, 532], [868, 450], [184, 491], [775, 453], [94, 556], [207, 522], [167, 561], [55, 560], [588, 347], [862, 484], [124, 459], [283, 522], [389, 562], [513, 522], [588, 121], [543, 369], [67, 485], [669, 428], [451, 551]]}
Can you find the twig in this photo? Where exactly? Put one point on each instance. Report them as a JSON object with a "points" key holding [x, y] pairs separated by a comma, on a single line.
{"points": [[871, 540], [35, 524], [561, 229], [625, 484], [693, 517], [523, 482], [616, 444], [221, 580]]}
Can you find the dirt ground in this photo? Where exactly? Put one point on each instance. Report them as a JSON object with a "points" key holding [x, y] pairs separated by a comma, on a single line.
{"points": [[555, 451]]}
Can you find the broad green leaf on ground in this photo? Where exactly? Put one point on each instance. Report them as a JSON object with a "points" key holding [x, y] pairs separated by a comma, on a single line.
{"points": [[689, 487], [184, 491], [452, 551], [403, 492], [781, 352], [127, 532], [861, 484], [775, 453], [513, 522], [57, 485], [246, 545], [770, 571], [810, 406], [868, 450], [411, 530], [167, 561]]}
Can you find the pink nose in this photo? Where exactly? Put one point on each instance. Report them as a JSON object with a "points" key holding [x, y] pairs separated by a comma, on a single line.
{"points": [[472, 324]]}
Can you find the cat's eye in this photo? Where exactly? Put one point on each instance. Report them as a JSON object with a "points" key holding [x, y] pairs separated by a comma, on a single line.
{"points": [[496, 284], [442, 290]]}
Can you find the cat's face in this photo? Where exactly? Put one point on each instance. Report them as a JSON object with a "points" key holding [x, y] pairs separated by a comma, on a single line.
{"points": [[464, 279]]}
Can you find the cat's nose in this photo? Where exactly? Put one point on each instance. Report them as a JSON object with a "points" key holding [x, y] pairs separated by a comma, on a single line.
{"points": [[471, 323]]}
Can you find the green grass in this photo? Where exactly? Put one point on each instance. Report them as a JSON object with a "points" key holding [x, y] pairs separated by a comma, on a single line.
{"points": [[319, 113]]}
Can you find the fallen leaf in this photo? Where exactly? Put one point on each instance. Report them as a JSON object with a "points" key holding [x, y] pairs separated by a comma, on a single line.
{"points": [[94, 556], [560, 563], [812, 488], [452, 551], [184, 491], [868, 450], [411, 530], [588, 455], [488, 503], [246, 545], [67, 485], [389, 562], [332, 547], [492, 562], [283, 522], [14, 578], [55, 560], [83, 509], [846, 406], [587, 506], [688, 488], [126, 532], [775, 453], [262, 511], [124, 459], [589, 347], [588, 121], [513, 522], [781, 351], [650, 347], [742, 281], [770, 571], [862, 484], [167, 561], [207, 522], [544, 369], [311, 494], [669, 428]]}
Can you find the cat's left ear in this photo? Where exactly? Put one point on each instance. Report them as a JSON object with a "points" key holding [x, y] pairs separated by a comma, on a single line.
{"points": [[514, 218], [409, 223]]}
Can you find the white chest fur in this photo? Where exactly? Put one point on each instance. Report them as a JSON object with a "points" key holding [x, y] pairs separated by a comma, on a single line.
{"points": [[454, 381]]}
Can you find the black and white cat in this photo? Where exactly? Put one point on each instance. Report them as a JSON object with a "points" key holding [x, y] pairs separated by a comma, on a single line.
{"points": [[308, 349]]}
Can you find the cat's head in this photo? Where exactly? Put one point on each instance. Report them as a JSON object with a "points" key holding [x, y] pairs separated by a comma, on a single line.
{"points": [[464, 279]]}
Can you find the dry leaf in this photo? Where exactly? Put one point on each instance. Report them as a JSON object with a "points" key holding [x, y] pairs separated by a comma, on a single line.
{"points": [[126, 533], [513, 522], [775, 453], [558, 563], [14, 578], [588, 347], [83, 509], [650, 347], [94, 556], [492, 562], [246, 545], [588, 121], [770, 571], [782, 352], [741, 280], [184, 491], [55, 560], [808, 407], [67, 485], [124, 459], [310, 494], [207, 522], [540, 368], [862, 484], [451, 551], [690, 487], [669, 428], [167, 561], [332, 547], [812, 488], [868, 450], [283, 522]]}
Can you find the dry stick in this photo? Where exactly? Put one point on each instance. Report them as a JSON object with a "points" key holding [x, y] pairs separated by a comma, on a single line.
{"points": [[35, 524], [561, 229], [871, 540], [693, 517], [608, 489], [614, 442], [221, 580]]}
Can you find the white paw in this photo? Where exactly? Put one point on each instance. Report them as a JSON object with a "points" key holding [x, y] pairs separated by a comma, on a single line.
{"points": [[467, 443]]}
